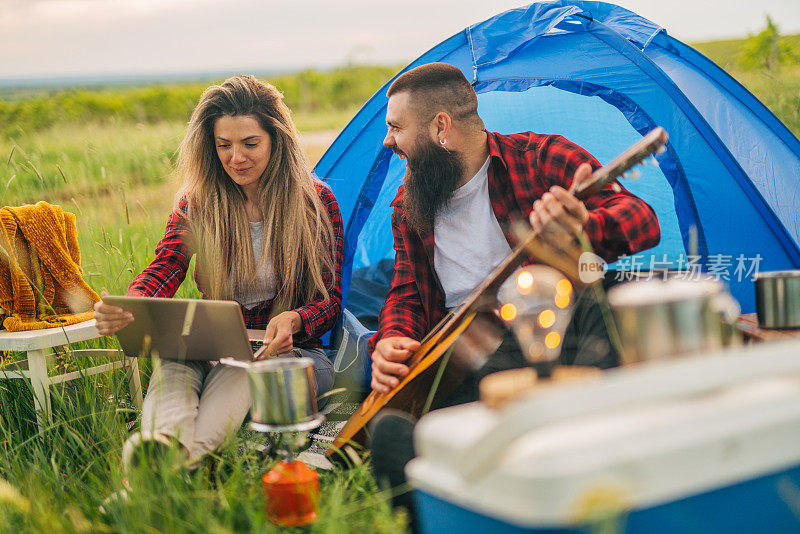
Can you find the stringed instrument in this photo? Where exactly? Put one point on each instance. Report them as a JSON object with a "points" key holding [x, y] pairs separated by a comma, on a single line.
{"points": [[412, 393]]}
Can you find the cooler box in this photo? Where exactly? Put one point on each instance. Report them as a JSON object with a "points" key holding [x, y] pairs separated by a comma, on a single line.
{"points": [[702, 444]]}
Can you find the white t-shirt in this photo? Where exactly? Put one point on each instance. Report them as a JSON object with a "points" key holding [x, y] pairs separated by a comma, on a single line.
{"points": [[468, 241], [263, 287]]}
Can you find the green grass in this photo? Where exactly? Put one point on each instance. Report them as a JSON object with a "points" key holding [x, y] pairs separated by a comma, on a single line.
{"points": [[116, 178], [67, 478], [72, 160]]}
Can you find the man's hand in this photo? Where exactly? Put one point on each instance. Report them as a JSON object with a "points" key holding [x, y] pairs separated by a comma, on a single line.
{"points": [[109, 319], [280, 329], [386, 367], [558, 211]]}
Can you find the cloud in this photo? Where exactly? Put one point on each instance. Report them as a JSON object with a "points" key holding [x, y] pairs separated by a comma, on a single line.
{"points": [[45, 12], [52, 37]]}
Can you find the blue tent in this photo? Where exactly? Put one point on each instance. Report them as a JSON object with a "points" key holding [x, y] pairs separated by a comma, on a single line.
{"points": [[603, 76]]}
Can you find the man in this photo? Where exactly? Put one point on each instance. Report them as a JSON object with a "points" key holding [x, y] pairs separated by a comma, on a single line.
{"points": [[462, 189]]}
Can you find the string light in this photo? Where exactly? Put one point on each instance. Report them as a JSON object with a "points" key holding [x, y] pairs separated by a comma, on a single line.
{"points": [[535, 351], [525, 282], [547, 318], [552, 340], [536, 303], [563, 287], [508, 312]]}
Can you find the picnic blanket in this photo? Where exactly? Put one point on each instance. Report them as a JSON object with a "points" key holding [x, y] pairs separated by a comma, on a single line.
{"points": [[41, 283]]}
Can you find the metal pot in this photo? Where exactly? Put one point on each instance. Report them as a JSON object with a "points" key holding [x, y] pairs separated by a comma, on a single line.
{"points": [[283, 394], [778, 299], [664, 318]]}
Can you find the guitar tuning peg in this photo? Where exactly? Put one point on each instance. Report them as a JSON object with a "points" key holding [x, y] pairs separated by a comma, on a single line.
{"points": [[616, 187], [625, 175], [634, 174], [661, 149]]}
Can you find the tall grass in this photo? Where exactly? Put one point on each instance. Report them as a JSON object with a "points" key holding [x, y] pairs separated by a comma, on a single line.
{"points": [[116, 178], [87, 161], [68, 477]]}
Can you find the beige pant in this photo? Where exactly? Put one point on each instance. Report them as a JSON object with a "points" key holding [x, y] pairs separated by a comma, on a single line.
{"points": [[201, 404]]}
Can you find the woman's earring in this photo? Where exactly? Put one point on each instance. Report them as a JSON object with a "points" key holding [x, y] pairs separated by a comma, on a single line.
{"points": [[443, 142]]}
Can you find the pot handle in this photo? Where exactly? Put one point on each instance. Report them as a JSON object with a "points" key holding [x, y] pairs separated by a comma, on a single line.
{"points": [[233, 362], [728, 309]]}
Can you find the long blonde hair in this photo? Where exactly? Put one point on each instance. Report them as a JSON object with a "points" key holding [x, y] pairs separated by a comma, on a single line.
{"points": [[298, 235]]}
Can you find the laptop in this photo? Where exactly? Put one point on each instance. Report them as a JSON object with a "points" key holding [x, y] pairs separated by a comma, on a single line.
{"points": [[186, 329]]}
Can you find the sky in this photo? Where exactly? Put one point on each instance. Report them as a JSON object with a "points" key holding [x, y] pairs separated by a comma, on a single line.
{"points": [[56, 38]]}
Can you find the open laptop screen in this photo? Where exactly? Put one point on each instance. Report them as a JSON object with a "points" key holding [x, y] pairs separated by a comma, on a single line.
{"points": [[183, 329]]}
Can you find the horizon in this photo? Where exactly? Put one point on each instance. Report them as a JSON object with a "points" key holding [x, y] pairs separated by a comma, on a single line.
{"points": [[50, 40], [135, 78]]}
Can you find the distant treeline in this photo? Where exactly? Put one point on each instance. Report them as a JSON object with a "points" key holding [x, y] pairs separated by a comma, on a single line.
{"points": [[308, 91]]}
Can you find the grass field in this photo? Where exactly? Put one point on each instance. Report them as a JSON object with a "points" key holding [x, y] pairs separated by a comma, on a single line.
{"points": [[87, 151], [115, 175], [60, 479]]}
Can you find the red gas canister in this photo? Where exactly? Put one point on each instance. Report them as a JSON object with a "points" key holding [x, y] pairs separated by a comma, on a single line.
{"points": [[291, 494]]}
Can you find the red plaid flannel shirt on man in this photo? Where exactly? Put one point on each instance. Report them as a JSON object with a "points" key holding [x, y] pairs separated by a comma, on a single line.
{"points": [[523, 167], [166, 272]]}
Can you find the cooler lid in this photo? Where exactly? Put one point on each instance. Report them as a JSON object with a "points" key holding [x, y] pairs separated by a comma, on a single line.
{"points": [[641, 436]]}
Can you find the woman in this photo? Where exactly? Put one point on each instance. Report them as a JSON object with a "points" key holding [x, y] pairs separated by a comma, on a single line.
{"points": [[266, 234]]}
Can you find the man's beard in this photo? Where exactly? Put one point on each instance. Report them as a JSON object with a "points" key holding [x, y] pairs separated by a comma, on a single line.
{"points": [[432, 174]]}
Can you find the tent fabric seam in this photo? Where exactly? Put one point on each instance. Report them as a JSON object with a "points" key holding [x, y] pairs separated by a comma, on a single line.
{"points": [[552, 24], [717, 146], [620, 99], [653, 36]]}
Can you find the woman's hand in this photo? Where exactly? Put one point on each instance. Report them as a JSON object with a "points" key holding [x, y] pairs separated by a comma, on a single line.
{"points": [[109, 319], [279, 333]]}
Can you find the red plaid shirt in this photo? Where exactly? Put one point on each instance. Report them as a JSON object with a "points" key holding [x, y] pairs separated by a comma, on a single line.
{"points": [[523, 167], [166, 272]]}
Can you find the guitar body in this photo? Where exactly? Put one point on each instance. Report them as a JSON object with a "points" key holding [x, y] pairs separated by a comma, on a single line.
{"points": [[412, 394]]}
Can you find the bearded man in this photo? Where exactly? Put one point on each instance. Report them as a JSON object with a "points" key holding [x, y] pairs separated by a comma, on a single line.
{"points": [[463, 188]]}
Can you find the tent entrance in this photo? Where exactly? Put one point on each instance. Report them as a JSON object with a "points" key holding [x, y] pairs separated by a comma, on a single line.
{"points": [[592, 123]]}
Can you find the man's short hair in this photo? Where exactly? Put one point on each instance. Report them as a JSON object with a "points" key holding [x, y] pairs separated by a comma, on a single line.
{"points": [[437, 87]]}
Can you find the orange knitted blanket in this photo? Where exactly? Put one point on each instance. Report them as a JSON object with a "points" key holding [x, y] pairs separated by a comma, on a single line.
{"points": [[40, 269]]}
